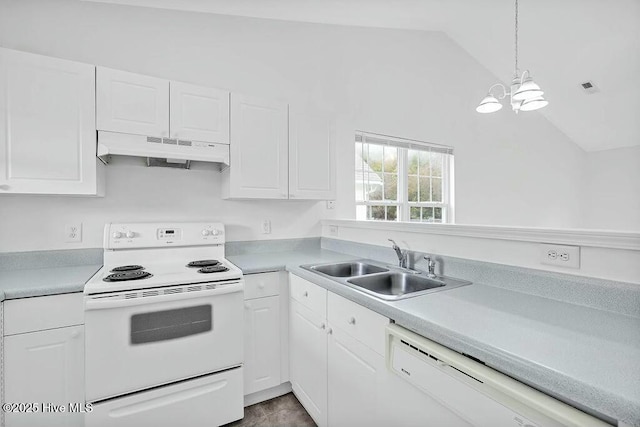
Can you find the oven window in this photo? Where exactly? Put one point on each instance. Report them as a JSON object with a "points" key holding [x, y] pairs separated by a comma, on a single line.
{"points": [[169, 324]]}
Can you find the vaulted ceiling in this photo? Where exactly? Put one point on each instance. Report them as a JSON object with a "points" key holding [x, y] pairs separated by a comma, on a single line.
{"points": [[562, 42]]}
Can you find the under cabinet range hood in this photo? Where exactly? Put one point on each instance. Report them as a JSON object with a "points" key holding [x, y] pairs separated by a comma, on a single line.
{"points": [[171, 151]]}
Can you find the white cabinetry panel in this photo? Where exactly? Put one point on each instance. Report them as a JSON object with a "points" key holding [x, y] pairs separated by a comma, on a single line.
{"points": [[262, 344], [47, 125], [311, 156], [355, 372], [45, 367], [132, 103], [308, 360], [199, 113], [259, 149]]}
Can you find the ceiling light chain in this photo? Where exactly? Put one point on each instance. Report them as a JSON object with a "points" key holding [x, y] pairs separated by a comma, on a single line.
{"points": [[525, 95]]}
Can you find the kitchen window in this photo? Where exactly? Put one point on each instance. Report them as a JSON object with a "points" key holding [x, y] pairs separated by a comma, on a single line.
{"points": [[403, 180]]}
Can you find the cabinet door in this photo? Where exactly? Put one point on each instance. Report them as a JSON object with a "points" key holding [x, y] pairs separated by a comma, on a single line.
{"points": [[259, 149], [45, 367], [261, 344], [308, 360], [47, 125], [132, 103], [354, 390], [311, 157], [199, 113]]}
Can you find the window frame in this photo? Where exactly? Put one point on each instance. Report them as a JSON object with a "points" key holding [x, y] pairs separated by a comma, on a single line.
{"points": [[403, 204]]}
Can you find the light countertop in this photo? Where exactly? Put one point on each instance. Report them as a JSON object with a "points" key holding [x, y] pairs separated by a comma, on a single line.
{"points": [[32, 282], [586, 357]]}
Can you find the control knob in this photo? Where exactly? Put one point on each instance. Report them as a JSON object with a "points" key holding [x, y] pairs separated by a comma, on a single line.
{"points": [[206, 232], [117, 234], [216, 232], [130, 234]]}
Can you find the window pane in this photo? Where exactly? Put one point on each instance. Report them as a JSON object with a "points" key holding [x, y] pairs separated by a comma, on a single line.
{"points": [[374, 187], [427, 214], [390, 186], [413, 162], [392, 213], [437, 214], [377, 212], [436, 164], [414, 214], [374, 159], [391, 159], [425, 190], [436, 188], [413, 188], [425, 169]]}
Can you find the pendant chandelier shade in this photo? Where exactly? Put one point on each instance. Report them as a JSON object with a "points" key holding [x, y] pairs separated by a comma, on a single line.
{"points": [[525, 94]]}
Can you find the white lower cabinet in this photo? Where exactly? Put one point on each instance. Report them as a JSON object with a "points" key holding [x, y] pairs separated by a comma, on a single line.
{"points": [[338, 368], [308, 359], [45, 368], [265, 332], [355, 373], [261, 344]]}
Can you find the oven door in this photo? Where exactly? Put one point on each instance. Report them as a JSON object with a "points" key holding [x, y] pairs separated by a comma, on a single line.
{"points": [[141, 339]]}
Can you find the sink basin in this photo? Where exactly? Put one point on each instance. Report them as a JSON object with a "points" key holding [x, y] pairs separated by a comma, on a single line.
{"points": [[395, 285], [391, 283], [348, 269]]}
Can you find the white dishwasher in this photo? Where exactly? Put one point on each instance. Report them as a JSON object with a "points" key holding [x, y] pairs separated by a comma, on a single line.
{"points": [[476, 393]]}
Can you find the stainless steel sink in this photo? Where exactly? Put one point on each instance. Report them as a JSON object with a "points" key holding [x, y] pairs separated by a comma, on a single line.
{"points": [[348, 269], [390, 283], [396, 284]]}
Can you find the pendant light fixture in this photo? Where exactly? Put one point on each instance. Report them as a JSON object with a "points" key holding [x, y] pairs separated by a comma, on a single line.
{"points": [[525, 94]]}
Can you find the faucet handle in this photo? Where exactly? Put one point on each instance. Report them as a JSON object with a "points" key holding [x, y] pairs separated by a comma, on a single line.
{"points": [[393, 241]]}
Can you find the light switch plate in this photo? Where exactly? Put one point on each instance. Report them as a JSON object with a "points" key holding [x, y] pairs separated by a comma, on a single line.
{"points": [[560, 255]]}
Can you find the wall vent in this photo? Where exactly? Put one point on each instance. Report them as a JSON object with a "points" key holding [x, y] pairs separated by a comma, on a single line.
{"points": [[589, 87]]}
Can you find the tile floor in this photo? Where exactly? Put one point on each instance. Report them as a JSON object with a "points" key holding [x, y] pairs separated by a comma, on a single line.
{"points": [[283, 411]]}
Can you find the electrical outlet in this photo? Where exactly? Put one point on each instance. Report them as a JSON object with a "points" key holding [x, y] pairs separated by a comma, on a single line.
{"points": [[333, 230], [331, 204], [266, 226], [73, 233], [561, 255]]}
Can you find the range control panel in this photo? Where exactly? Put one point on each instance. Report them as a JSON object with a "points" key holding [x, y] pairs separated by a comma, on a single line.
{"points": [[156, 235]]}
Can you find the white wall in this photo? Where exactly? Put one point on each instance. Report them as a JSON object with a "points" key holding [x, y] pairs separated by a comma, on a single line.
{"points": [[613, 189], [511, 169]]}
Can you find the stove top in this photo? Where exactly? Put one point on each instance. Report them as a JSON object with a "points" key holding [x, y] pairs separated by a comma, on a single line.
{"points": [[152, 255]]}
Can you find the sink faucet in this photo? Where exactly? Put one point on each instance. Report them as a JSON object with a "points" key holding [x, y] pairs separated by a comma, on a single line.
{"points": [[431, 265], [402, 255]]}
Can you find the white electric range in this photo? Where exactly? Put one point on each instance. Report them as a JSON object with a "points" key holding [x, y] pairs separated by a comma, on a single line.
{"points": [[164, 328]]}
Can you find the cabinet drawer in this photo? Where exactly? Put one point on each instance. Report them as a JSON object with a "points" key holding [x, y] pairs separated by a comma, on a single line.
{"points": [[308, 294], [261, 285], [363, 324], [40, 313]]}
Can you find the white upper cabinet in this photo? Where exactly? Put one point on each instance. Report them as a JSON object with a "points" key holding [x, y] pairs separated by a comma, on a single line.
{"points": [[132, 103], [311, 156], [150, 106], [258, 148], [47, 125], [199, 113]]}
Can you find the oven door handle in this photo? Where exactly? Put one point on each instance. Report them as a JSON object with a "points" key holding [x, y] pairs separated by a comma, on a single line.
{"points": [[101, 303]]}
